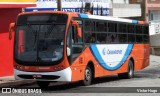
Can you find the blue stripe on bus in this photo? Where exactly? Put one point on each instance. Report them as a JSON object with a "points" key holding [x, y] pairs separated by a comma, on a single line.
{"points": [[83, 15], [98, 57], [135, 21]]}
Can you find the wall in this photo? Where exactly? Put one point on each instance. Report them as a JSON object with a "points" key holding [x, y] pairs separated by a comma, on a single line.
{"points": [[155, 44], [157, 15], [6, 45], [155, 40], [9, 9], [126, 10], [121, 1], [153, 1], [153, 4]]}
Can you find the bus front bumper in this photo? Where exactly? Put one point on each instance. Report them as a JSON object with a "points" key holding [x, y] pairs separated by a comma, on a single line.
{"points": [[63, 75]]}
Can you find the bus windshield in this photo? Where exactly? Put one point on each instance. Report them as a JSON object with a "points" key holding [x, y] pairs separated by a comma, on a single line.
{"points": [[39, 38]]}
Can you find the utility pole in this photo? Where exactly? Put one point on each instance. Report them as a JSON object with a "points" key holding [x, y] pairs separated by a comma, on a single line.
{"points": [[59, 5]]}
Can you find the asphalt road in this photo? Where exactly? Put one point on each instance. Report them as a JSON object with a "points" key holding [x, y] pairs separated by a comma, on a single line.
{"points": [[145, 83]]}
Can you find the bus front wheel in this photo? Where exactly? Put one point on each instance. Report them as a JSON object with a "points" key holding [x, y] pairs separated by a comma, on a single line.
{"points": [[43, 84], [87, 76], [130, 73]]}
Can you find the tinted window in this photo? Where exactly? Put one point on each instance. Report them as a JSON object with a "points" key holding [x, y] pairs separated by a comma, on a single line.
{"points": [[90, 37], [139, 38], [131, 38], [41, 18], [145, 38], [116, 32], [112, 38], [112, 27], [100, 26], [131, 28], [122, 28], [89, 25], [139, 29], [101, 38], [146, 30], [122, 38]]}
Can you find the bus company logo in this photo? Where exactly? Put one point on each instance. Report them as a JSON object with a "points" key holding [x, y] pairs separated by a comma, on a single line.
{"points": [[104, 52], [111, 52]]}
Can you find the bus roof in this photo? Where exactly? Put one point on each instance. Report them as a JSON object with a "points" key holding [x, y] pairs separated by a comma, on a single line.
{"points": [[41, 12], [88, 16], [110, 18]]}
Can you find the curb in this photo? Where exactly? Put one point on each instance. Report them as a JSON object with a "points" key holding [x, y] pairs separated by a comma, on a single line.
{"points": [[16, 83]]}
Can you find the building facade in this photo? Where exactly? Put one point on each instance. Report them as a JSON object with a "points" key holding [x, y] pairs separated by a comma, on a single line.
{"points": [[153, 16], [123, 8], [9, 10], [99, 7], [116, 8], [150, 13]]}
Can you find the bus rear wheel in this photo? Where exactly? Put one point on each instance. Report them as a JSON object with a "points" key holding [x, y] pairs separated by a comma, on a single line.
{"points": [[130, 73], [87, 76], [43, 84]]}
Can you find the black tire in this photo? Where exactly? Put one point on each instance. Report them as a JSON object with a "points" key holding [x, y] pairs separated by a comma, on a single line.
{"points": [[43, 84], [130, 73], [88, 76]]}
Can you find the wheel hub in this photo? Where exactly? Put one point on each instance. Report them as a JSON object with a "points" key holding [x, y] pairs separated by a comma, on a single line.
{"points": [[88, 75]]}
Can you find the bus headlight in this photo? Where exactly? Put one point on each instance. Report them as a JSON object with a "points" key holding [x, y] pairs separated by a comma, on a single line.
{"points": [[17, 67], [20, 68]]}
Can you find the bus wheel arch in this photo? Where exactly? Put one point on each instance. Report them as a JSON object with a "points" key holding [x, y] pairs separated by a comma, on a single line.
{"points": [[130, 70], [132, 62], [91, 73]]}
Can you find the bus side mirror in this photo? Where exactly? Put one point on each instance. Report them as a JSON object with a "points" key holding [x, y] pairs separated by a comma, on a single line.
{"points": [[78, 29], [11, 29]]}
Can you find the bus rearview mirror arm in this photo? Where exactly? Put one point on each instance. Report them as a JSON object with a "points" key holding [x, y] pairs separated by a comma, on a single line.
{"points": [[11, 29], [78, 29]]}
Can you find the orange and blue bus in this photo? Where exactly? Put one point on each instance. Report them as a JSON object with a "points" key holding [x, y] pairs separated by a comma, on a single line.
{"points": [[69, 46]]}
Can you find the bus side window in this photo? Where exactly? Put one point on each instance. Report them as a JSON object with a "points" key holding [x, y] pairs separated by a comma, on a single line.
{"points": [[75, 39], [101, 38], [77, 45], [90, 37], [73, 34], [80, 40], [112, 38]]}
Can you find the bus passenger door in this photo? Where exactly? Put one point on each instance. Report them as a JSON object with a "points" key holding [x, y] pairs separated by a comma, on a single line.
{"points": [[77, 45], [74, 45], [76, 59]]}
